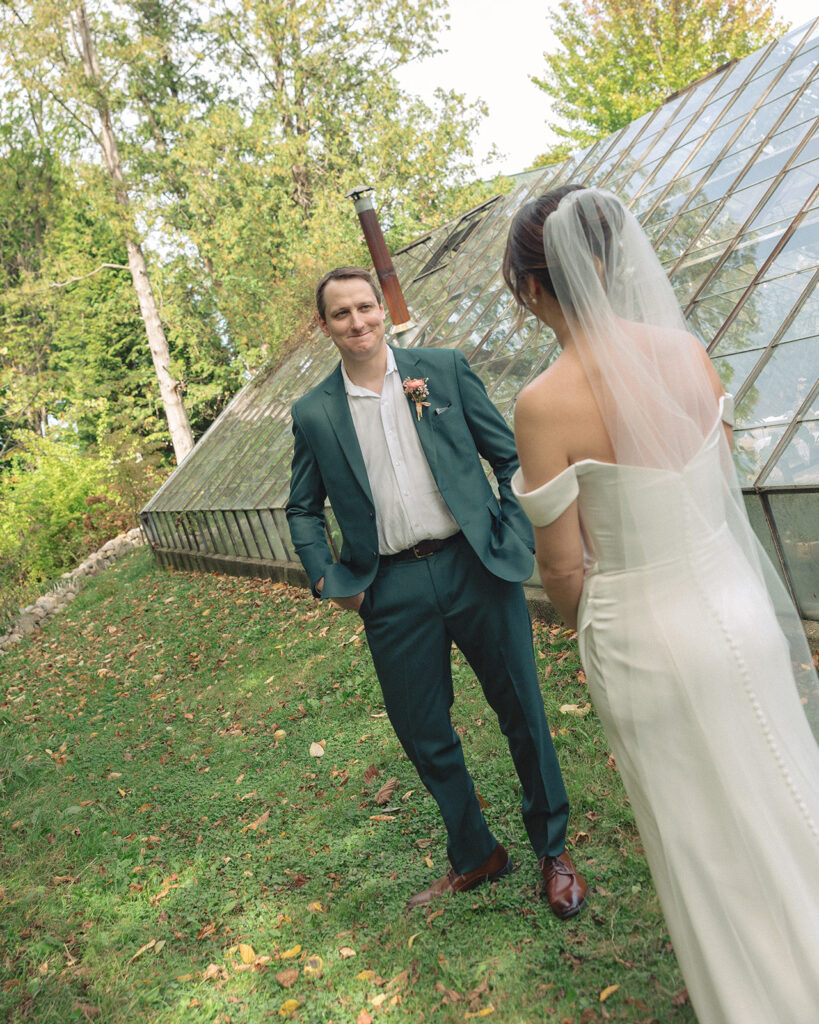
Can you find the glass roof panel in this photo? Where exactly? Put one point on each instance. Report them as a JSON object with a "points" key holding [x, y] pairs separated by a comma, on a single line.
{"points": [[781, 386], [798, 463], [752, 450]]}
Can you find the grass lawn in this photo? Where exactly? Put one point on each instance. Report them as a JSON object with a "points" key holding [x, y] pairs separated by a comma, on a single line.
{"points": [[172, 850]]}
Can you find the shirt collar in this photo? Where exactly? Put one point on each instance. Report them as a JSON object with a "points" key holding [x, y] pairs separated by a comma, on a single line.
{"points": [[355, 390]]}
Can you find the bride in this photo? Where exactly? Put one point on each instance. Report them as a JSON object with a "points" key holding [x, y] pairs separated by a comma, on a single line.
{"points": [[695, 658]]}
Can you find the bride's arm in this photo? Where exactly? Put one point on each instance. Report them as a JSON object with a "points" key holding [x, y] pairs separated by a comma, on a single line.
{"points": [[539, 429]]}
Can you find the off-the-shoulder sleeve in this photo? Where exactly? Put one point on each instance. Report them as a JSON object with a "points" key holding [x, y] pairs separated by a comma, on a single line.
{"points": [[545, 504], [727, 409]]}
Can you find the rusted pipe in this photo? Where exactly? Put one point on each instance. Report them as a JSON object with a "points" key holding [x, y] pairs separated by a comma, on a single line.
{"points": [[362, 197]]}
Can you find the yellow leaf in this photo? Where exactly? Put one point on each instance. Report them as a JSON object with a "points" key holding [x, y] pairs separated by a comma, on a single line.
{"points": [[379, 999], [313, 967], [428, 861], [412, 939], [121, 791], [288, 1007], [143, 949], [247, 953], [279, 735], [579, 711], [485, 1012], [365, 975], [608, 991], [184, 977], [315, 907], [288, 954]]}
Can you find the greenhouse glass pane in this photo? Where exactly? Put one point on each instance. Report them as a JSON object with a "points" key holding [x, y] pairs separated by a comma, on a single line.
{"points": [[806, 321], [801, 251], [756, 514], [796, 521], [799, 462], [775, 154], [752, 449], [800, 68], [761, 317], [788, 198], [734, 370], [781, 385]]}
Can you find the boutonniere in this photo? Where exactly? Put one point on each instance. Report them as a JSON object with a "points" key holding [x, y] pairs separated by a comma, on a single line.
{"points": [[418, 392]]}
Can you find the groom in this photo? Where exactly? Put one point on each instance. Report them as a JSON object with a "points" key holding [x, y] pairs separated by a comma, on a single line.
{"points": [[429, 556]]}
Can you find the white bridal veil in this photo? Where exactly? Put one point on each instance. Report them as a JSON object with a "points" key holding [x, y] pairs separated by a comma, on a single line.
{"points": [[652, 385]]}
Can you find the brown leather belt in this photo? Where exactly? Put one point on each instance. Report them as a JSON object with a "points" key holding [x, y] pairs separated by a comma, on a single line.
{"points": [[423, 549]]}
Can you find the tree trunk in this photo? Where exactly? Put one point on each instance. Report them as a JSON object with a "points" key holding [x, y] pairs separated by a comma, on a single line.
{"points": [[169, 389]]}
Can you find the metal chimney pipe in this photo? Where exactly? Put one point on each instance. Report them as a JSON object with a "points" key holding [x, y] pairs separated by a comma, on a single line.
{"points": [[362, 197]]}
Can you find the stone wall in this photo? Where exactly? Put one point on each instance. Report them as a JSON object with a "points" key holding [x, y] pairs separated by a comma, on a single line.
{"points": [[35, 615]]}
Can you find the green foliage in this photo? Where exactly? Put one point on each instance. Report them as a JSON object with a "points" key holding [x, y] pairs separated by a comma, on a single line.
{"points": [[60, 503], [154, 823], [619, 59]]}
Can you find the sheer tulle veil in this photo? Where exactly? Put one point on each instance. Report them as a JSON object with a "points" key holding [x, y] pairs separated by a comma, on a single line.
{"points": [[657, 400]]}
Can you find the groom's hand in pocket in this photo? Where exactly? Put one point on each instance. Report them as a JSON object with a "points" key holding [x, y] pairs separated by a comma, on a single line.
{"points": [[349, 603]]}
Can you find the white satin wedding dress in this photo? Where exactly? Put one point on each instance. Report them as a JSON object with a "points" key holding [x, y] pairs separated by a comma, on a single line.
{"points": [[722, 780]]}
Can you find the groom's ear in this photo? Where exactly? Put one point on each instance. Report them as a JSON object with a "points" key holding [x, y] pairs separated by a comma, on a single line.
{"points": [[323, 326]]}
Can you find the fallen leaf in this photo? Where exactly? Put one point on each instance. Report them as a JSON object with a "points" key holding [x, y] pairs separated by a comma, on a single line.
{"points": [[385, 793], [288, 978], [680, 998], [379, 999], [289, 1007], [247, 953], [382, 817], [206, 930], [579, 711], [449, 994], [367, 975], [315, 907], [213, 971], [316, 750], [185, 977], [609, 990], [428, 861], [144, 949], [407, 795], [371, 772], [313, 967], [346, 952], [259, 821], [363, 1018], [279, 735], [485, 1012], [288, 954], [412, 939]]}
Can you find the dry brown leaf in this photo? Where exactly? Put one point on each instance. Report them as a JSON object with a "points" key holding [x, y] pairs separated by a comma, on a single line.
{"points": [[449, 994], [213, 971], [288, 978], [371, 772], [363, 1018], [385, 793], [144, 949], [379, 999], [315, 907], [205, 930], [259, 821], [346, 952], [316, 750], [680, 998], [382, 817]]}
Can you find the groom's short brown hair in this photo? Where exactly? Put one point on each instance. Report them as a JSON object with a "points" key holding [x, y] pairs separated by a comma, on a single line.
{"points": [[340, 274]]}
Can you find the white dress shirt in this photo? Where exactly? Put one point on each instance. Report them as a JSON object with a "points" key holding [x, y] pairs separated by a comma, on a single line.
{"points": [[408, 505]]}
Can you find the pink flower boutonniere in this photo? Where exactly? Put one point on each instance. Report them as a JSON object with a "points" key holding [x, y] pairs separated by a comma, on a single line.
{"points": [[418, 392]]}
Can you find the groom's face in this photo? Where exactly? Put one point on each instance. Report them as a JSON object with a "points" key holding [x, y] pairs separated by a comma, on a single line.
{"points": [[355, 319]]}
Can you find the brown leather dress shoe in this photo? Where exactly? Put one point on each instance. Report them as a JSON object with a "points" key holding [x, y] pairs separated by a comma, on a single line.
{"points": [[565, 888], [498, 864]]}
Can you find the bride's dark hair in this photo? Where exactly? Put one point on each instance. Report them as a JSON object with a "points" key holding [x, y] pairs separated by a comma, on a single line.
{"points": [[524, 254]]}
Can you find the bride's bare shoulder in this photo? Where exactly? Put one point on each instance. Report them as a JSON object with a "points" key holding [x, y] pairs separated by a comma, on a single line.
{"points": [[551, 391]]}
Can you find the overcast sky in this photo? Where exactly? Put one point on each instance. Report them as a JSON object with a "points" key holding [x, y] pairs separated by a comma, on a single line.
{"points": [[492, 48]]}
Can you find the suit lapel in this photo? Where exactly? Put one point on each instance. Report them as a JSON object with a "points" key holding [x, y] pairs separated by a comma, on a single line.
{"points": [[406, 360], [341, 422]]}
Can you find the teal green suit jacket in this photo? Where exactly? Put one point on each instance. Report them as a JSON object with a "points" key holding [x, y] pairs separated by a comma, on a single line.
{"points": [[460, 426]]}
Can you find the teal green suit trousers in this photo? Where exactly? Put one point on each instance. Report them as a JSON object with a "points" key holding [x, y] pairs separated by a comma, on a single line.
{"points": [[413, 612]]}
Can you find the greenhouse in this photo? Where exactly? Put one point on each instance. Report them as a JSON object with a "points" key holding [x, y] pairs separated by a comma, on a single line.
{"points": [[724, 176]]}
